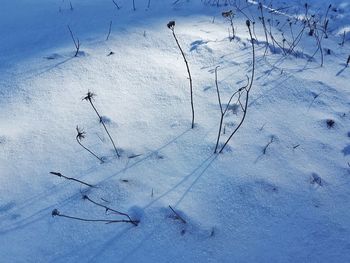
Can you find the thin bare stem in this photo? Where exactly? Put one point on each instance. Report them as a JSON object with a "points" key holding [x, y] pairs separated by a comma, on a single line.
{"points": [[109, 30], [89, 97], [71, 179], [264, 26], [116, 4], [55, 212], [268, 144], [79, 137], [177, 215], [171, 26], [229, 16], [247, 90], [76, 42], [134, 222]]}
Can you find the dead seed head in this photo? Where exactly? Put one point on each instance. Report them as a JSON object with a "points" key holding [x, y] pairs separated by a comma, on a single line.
{"points": [[80, 133], [55, 212], [330, 123], [247, 23], [227, 14], [171, 25], [89, 96]]}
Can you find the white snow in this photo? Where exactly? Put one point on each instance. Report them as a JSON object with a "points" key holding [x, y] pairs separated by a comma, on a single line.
{"points": [[239, 206]]}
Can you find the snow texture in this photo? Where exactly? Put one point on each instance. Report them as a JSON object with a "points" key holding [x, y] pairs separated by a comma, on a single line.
{"points": [[285, 202]]}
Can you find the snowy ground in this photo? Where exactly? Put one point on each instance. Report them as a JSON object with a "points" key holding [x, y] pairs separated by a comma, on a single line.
{"points": [[289, 205]]}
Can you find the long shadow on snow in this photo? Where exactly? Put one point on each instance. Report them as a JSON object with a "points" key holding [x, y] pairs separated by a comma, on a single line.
{"points": [[146, 157], [205, 164], [41, 196]]}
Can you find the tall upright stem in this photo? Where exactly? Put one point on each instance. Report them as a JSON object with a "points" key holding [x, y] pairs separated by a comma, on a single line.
{"points": [[104, 126], [247, 91], [189, 75], [221, 110]]}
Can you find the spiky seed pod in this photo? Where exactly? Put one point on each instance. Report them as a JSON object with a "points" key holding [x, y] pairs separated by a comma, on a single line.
{"points": [[55, 212], [171, 25]]}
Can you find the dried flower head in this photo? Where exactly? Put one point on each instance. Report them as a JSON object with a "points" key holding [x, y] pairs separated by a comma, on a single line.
{"points": [[89, 96], [171, 25], [80, 133], [55, 212], [227, 14], [247, 23]]}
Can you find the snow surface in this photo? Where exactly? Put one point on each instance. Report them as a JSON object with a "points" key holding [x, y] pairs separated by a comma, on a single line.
{"points": [[291, 204]]}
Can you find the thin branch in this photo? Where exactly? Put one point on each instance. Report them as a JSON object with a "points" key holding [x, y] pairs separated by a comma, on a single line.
{"points": [[134, 222], [268, 144], [109, 30], [55, 212], [177, 215], [247, 90], [76, 42], [116, 4], [217, 89], [71, 179], [264, 26]]}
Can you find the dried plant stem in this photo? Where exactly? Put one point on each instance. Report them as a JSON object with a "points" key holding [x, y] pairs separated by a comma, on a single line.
{"points": [[116, 4], [264, 26], [76, 42], [188, 71], [268, 144], [103, 124], [177, 215], [109, 30], [55, 212], [71, 179], [247, 91], [88, 149], [134, 222]]}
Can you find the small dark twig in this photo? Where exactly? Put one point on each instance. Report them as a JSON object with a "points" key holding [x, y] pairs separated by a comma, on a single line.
{"points": [[343, 39], [268, 144], [177, 215], [134, 222], [109, 30], [116, 4], [75, 41], [71, 179], [55, 212]]}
